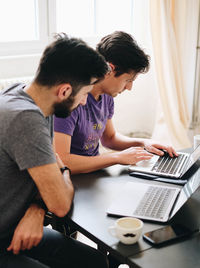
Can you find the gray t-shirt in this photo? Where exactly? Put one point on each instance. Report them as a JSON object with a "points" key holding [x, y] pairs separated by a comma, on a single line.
{"points": [[25, 142]]}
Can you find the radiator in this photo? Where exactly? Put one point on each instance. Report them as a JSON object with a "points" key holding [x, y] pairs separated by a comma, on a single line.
{"points": [[7, 82]]}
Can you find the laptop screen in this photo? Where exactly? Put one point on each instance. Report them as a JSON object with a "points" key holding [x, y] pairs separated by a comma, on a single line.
{"points": [[189, 188]]}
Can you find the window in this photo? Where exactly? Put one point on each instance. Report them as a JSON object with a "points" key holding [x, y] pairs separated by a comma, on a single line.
{"points": [[27, 26], [20, 25], [23, 26], [113, 15], [93, 17], [75, 17]]}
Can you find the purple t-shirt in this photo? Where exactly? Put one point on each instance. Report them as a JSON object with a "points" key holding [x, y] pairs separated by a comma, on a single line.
{"points": [[86, 124]]}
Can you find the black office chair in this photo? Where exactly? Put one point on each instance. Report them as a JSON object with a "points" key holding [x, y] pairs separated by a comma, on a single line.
{"points": [[59, 224]]}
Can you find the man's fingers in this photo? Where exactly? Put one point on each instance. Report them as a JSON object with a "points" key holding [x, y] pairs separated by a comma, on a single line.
{"points": [[30, 244], [144, 153], [170, 151], [144, 157], [158, 149], [140, 158], [11, 245], [34, 242], [37, 241], [24, 244], [15, 246]]}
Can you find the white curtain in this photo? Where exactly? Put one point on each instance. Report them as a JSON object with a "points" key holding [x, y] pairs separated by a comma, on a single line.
{"points": [[170, 23]]}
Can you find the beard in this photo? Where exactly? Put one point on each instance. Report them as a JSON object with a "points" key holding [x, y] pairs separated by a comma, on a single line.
{"points": [[64, 108]]}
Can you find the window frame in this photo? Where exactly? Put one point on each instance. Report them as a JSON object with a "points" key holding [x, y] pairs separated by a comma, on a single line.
{"points": [[20, 59], [16, 48]]}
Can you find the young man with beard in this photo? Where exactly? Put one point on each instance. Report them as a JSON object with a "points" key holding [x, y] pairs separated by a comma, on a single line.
{"points": [[31, 180], [77, 137]]}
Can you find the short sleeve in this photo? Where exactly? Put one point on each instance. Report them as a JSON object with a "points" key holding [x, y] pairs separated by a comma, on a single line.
{"points": [[28, 140], [111, 107], [66, 125]]}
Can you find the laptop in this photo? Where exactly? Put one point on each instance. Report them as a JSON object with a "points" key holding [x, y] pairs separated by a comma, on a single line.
{"points": [[152, 202], [174, 167]]}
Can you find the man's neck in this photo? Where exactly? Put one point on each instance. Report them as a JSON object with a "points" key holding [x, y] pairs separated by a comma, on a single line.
{"points": [[97, 91], [41, 97]]}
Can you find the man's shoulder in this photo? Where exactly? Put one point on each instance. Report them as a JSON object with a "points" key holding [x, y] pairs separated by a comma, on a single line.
{"points": [[16, 111], [14, 91], [107, 100], [14, 100], [76, 112], [108, 97]]}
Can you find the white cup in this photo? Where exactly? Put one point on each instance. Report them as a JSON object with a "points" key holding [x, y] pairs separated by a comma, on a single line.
{"points": [[196, 141], [127, 229]]}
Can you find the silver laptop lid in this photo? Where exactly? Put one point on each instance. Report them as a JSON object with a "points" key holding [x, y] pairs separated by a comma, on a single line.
{"points": [[194, 156], [187, 191]]}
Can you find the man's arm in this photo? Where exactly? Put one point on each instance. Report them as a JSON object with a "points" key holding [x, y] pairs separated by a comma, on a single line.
{"points": [[29, 230], [129, 151], [84, 164], [55, 188], [115, 141]]}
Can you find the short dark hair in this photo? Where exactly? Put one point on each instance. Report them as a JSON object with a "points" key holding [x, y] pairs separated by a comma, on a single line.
{"points": [[120, 49], [70, 60]]}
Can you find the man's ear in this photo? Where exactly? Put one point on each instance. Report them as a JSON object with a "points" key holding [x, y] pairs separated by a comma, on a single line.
{"points": [[112, 69], [112, 66], [63, 91]]}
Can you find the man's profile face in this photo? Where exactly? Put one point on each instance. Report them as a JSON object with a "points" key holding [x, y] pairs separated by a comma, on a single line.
{"points": [[64, 108], [116, 85]]}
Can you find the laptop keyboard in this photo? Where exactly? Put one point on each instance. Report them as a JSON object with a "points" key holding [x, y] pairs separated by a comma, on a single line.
{"points": [[155, 202], [167, 164]]}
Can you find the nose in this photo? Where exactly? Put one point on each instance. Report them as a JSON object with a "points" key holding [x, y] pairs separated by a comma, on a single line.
{"points": [[129, 86]]}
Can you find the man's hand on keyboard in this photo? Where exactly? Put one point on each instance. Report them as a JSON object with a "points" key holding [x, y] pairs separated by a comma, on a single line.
{"points": [[159, 149]]}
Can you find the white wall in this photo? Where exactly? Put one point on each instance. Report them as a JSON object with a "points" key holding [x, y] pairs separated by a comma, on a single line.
{"points": [[18, 66], [135, 110]]}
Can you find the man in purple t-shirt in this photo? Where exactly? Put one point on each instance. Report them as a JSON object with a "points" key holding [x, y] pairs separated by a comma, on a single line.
{"points": [[86, 125], [77, 136]]}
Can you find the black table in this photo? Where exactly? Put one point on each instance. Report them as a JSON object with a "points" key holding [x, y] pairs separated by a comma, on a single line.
{"points": [[93, 194]]}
